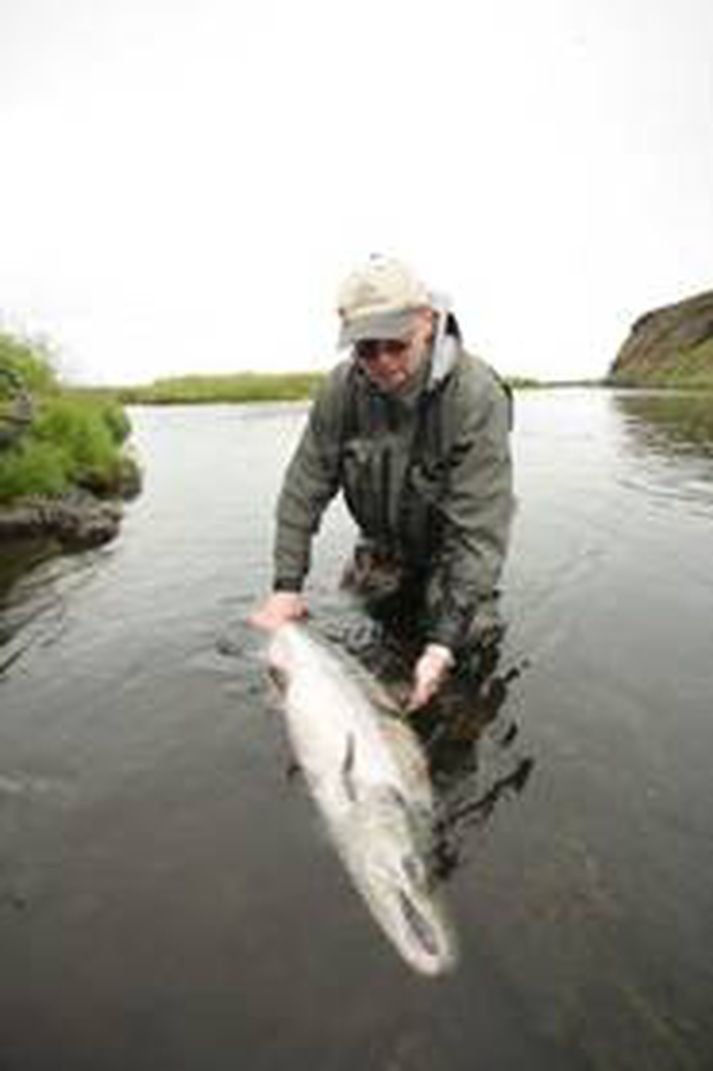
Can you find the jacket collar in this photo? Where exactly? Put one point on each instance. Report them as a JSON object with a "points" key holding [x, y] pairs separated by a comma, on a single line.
{"points": [[443, 357]]}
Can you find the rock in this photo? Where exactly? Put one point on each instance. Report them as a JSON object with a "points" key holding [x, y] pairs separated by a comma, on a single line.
{"points": [[76, 520], [672, 345]]}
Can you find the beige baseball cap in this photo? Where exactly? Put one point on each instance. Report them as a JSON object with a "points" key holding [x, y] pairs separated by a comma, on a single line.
{"points": [[378, 300]]}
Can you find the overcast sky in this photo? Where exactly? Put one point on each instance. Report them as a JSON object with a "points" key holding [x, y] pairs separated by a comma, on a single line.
{"points": [[185, 182]]}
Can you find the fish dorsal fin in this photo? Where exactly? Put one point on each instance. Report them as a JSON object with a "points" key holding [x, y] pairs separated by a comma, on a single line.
{"points": [[383, 700], [376, 692]]}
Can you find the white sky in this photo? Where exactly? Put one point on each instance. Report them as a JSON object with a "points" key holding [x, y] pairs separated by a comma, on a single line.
{"points": [[184, 184]]}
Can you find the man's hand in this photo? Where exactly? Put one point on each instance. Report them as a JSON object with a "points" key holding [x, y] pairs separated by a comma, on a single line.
{"points": [[429, 674], [278, 609]]}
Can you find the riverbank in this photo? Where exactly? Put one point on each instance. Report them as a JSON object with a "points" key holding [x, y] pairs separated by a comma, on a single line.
{"points": [[65, 467], [244, 388], [37, 527], [77, 519]]}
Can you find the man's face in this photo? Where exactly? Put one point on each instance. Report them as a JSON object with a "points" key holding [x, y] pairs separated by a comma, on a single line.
{"points": [[391, 364]]}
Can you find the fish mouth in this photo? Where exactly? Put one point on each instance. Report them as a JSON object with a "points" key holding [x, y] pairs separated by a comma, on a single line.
{"points": [[430, 944], [418, 924], [409, 911]]}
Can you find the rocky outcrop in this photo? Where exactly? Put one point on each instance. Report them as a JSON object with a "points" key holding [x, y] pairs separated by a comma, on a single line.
{"points": [[670, 346], [75, 521]]}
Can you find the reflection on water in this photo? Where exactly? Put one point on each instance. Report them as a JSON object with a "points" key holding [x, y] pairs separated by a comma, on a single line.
{"points": [[19, 557], [668, 421], [33, 606], [467, 720], [468, 716], [670, 437]]}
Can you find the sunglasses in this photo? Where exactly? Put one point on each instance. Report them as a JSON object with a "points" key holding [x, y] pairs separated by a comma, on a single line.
{"points": [[371, 348]]}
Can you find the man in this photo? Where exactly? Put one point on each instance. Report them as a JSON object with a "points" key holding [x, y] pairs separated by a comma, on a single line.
{"points": [[414, 432]]}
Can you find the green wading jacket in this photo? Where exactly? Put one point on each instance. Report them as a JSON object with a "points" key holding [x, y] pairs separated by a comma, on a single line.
{"points": [[426, 477]]}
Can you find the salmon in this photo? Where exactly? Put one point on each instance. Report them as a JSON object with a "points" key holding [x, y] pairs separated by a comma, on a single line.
{"points": [[367, 774]]}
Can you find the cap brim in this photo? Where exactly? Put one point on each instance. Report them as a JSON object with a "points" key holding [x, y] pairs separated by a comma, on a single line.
{"points": [[387, 325]]}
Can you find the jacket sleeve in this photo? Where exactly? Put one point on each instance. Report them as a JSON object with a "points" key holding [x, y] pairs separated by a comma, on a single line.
{"points": [[475, 513], [310, 482]]}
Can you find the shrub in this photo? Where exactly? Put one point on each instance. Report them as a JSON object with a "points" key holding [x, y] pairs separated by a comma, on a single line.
{"points": [[73, 440], [116, 420], [32, 468], [31, 360], [77, 428]]}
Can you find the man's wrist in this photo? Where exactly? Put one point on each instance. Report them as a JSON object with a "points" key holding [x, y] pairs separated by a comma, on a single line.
{"points": [[286, 584]]}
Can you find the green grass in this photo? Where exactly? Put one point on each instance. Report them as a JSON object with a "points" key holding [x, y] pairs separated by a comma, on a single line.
{"points": [[32, 468], [691, 368], [239, 387], [73, 442], [75, 438], [32, 360]]}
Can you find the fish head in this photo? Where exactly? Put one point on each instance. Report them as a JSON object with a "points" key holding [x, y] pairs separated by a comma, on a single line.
{"points": [[390, 869]]}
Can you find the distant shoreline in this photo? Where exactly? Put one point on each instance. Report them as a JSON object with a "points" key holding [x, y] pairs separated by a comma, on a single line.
{"points": [[249, 387]]}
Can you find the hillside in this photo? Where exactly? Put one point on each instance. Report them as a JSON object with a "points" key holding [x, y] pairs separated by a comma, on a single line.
{"points": [[669, 347]]}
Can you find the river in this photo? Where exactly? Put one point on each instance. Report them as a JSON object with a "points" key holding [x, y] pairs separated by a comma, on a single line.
{"points": [[168, 898]]}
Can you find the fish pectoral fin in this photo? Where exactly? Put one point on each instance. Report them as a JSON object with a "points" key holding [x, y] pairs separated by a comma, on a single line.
{"points": [[348, 769], [278, 677]]}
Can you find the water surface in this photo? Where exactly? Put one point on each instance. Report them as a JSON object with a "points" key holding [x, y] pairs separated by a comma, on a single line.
{"points": [[167, 895]]}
